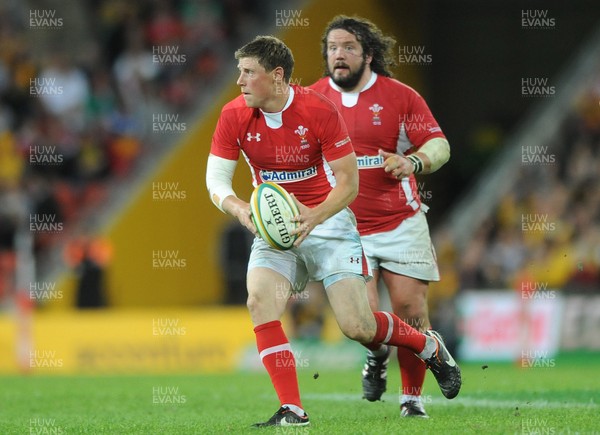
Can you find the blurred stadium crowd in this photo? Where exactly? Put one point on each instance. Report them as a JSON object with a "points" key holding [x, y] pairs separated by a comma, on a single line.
{"points": [[74, 125], [544, 234]]}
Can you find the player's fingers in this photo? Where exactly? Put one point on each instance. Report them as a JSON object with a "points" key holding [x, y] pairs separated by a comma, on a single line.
{"points": [[403, 168], [301, 208], [401, 172], [391, 163], [245, 218], [248, 223], [398, 172], [299, 240], [302, 233], [300, 230], [385, 154]]}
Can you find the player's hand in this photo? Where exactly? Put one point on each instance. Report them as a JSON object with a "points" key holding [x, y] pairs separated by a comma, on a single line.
{"points": [[241, 210], [307, 220], [398, 166]]}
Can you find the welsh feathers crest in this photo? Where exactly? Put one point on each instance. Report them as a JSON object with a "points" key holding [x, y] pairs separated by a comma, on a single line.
{"points": [[301, 131], [376, 109]]}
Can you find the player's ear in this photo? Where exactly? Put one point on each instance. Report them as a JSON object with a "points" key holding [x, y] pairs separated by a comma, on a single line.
{"points": [[278, 74]]}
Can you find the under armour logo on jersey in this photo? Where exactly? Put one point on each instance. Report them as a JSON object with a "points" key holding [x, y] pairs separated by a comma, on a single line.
{"points": [[376, 108], [354, 260], [249, 137]]}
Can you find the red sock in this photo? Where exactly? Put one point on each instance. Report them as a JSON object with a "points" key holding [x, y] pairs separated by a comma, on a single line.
{"points": [[392, 330], [412, 372], [277, 357]]}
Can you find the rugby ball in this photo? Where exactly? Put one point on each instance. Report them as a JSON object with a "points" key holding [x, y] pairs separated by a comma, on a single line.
{"points": [[272, 210]]}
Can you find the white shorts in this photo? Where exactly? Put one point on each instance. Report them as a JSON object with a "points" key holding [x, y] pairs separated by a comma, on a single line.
{"points": [[406, 250], [331, 252]]}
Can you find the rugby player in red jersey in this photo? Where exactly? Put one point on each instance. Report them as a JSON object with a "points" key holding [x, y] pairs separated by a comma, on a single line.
{"points": [[395, 136], [269, 119]]}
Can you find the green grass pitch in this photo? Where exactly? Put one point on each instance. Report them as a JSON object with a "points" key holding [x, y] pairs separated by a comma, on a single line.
{"points": [[499, 399]]}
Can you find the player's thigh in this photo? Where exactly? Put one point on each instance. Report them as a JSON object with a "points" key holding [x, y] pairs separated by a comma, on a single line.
{"points": [[350, 305], [408, 297], [268, 293], [272, 276]]}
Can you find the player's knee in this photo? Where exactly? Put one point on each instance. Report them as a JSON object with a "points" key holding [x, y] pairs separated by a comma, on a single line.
{"points": [[363, 332], [415, 314], [254, 303]]}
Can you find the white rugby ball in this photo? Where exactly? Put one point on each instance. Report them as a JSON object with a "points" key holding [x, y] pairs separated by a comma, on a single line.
{"points": [[272, 210]]}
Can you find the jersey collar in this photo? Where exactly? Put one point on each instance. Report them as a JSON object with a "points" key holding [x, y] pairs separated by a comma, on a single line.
{"points": [[273, 119], [350, 99]]}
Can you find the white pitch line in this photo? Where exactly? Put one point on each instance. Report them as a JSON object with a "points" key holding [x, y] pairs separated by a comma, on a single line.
{"points": [[470, 402]]}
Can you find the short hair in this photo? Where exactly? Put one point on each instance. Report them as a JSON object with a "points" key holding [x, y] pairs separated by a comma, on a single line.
{"points": [[270, 53], [370, 37]]}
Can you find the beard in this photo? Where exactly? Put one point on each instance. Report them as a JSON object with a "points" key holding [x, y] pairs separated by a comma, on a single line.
{"points": [[351, 80]]}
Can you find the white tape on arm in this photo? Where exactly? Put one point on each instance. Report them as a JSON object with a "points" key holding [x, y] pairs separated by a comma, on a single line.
{"points": [[219, 173], [438, 152]]}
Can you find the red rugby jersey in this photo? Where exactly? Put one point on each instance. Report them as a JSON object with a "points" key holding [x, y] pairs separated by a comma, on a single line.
{"points": [[290, 147], [392, 116]]}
